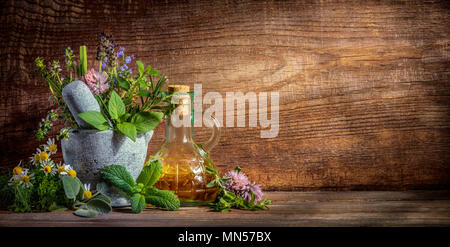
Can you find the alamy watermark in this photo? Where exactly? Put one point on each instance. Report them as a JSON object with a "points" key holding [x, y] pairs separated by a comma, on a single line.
{"points": [[258, 105]]}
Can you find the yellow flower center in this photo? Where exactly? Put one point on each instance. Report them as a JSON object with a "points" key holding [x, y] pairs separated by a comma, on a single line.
{"points": [[61, 169], [43, 156], [47, 169], [17, 170], [87, 194], [72, 173], [26, 179], [52, 148], [36, 158]]}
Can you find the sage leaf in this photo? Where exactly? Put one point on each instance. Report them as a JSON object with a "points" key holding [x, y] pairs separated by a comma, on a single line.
{"points": [[86, 212], [94, 119], [164, 199], [101, 206], [103, 197], [137, 203], [116, 107], [101, 187], [71, 187], [118, 176], [150, 174], [128, 129], [146, 121]]}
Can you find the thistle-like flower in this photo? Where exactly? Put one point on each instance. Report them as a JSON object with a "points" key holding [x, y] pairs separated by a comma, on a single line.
{"points": [[96, 81]]}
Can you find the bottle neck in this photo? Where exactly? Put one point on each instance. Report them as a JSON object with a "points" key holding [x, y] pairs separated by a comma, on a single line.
{"points": [[180, 134]]}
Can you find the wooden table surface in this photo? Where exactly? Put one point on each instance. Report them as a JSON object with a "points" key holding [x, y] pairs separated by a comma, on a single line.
{"points": [[348, 208]]}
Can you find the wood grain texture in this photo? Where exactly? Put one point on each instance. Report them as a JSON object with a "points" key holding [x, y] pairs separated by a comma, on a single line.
{"points": [[364, 85], [310, 209]]}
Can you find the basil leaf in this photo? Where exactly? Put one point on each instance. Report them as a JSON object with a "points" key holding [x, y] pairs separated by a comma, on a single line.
{"points": [[71, 186], [146, 121], [137, 203], [128, 129], [118, 176], [95, 119], [150, 174], [116, 107]]}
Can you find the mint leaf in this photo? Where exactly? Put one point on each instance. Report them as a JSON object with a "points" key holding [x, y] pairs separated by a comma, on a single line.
{"points": [[95, 119], [116, 107], [99, 205], [137, 203], [140, 67], [118, 176], [146, 121], [150, 174], [128, 129], [164, 199], [71, 186]]}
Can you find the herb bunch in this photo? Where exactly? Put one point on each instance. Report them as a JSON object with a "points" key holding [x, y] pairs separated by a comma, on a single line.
{"points": [[141, 191], [44, 185], [130, 103], [236, 194]]}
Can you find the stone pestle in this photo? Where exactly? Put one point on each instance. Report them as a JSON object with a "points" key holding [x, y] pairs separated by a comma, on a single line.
{"points": [[79, 99]]}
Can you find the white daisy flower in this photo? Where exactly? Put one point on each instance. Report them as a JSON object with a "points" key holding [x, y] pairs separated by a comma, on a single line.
{"points": [[25, 179], [60, 169], [35, 158], [51, 147], [48, 167], [87, 191]]}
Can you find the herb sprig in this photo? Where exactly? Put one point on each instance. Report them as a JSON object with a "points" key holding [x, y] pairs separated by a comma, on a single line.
{"points": [[141, 191], [227, 200]]}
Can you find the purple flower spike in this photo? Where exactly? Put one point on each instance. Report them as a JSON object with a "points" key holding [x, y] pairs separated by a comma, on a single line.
{"points": [[120, 52]]}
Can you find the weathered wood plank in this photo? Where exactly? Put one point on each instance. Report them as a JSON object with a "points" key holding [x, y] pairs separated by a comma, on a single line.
{"points": [[364, 85], [371, 208]]}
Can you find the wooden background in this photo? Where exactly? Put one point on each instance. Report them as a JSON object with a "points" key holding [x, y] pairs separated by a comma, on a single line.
{"points": [[364, 85]]}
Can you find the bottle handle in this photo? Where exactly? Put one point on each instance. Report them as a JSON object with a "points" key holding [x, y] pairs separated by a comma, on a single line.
{"points": [[214, 139]]}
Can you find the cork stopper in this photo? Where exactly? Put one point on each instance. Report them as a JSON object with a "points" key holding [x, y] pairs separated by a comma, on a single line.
{"points": [[179, 88]]}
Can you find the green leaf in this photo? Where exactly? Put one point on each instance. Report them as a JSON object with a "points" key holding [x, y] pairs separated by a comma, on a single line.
{"points": [[118, 176], [128, 129], [140, 67], [71, 186], [103, 197], [123, 83], [146, 121], [147, 70], [211, 184], [137, 203], [124, 117], [164, 199], [211, 171], [95, 119], [153, 72], [83, 60], [101, 206], [86, 212], [101, 187], [116, 107], [144, 93], [56, 208], [150, 174]]}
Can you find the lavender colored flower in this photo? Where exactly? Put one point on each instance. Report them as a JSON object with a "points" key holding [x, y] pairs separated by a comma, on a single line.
{"points": [[124, 67], [129, 58], [120, 52], [96, 81], [104, 63], [239, 184]]}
